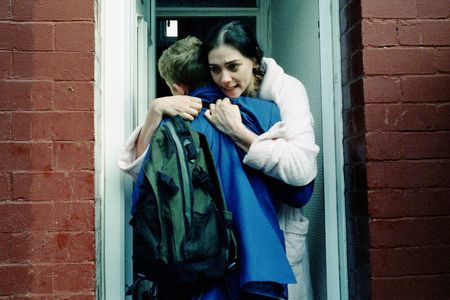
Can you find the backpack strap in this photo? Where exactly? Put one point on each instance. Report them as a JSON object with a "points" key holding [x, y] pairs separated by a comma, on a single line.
{"points": [[201, 178], [207, 182], [185, 137]]}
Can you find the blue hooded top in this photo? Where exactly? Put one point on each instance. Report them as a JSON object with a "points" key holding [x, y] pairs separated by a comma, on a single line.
{"points": [[250, 195]]}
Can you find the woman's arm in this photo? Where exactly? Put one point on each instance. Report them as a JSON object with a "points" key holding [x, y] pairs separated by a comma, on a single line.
{"points": [[127, 160], [185, 106], [133, 151], [288, 151]]}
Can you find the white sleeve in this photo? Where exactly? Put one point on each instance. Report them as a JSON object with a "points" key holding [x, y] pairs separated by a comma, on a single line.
{"points": [[288, 150], [127, 160]]}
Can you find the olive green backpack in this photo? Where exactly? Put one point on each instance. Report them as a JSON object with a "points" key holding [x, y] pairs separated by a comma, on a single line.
{"points": [[182, 229]]}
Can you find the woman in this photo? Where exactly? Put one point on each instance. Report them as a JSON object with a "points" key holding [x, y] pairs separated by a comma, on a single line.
{"points": [[288, 150], [238, 68]]}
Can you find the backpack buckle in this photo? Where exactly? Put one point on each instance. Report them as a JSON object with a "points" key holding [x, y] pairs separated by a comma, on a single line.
{"points": [[200, 176], [191, 150]]}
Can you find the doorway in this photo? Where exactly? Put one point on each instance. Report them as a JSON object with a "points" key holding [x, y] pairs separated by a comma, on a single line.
{"points": [[303, 53], [299, 55]]}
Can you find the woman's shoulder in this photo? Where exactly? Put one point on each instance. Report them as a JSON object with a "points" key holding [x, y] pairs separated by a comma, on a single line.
{"points": [[276, 82]]}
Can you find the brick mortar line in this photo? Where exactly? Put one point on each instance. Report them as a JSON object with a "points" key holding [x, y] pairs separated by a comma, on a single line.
{"points": [[46, 21], [405, 47], [418, 188], [45, 80], [431, 132], [372, 19], [88, 262], [39, 294], [12, 19], [46, 111], [50, 232], [17, 201], [420, 247], [15, 50], [412, 218], [413, 276], [412, 160], [50, 171]]}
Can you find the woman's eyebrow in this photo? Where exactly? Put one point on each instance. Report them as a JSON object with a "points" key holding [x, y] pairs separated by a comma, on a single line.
{"points": [[234, 61]]}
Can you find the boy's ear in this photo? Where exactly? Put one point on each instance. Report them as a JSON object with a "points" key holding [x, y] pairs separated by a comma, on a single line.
{"points": [[180, 88]]}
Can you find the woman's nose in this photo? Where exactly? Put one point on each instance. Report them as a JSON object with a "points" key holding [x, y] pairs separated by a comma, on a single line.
{"points": [[225, 76]]}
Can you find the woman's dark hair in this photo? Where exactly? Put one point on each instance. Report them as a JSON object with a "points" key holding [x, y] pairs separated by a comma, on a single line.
{"points": [[235, 34]]}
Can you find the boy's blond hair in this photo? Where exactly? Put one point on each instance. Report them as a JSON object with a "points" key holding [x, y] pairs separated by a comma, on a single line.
{"points": [[181, 64]]}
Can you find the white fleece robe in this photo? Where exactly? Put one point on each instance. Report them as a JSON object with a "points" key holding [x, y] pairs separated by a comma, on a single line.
{"points": [[287, 152]]}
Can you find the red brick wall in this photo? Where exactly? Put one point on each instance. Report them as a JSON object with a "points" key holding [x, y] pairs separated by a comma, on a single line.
{"points": [[396, 110], [47, 241], [359, 281], [406, 84]]}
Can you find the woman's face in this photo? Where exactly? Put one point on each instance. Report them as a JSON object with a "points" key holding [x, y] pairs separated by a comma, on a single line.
{"points": [[231, 71]]}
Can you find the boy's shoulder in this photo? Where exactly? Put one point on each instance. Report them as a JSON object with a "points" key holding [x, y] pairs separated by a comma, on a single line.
{"points": [[258, 107], [255, 102]]}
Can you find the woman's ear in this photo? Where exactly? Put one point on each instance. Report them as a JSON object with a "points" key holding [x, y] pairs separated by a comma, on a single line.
{"points": [[255, 66], [180, 89]]}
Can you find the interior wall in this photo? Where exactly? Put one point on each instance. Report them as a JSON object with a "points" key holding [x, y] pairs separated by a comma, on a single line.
{"points": [[295, 46]]}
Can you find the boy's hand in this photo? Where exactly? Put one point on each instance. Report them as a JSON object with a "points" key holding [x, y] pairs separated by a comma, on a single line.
{"points": [[186, 106]]}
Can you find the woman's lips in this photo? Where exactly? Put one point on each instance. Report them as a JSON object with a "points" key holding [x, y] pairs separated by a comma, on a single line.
{"points": [[230, 89]]}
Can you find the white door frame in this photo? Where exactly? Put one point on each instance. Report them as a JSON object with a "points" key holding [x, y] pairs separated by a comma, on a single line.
{"points": [[113, 92], [113, 83], [333, 156]]}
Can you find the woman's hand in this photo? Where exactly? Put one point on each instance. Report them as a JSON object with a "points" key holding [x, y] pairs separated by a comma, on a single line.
{"points": [[186, 106], [226, 117]]}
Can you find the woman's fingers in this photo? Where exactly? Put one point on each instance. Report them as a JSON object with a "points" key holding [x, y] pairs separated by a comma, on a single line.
{"points": [[187, 116], [188, 107], [188, 113], [197, 100], [193, 112], [196, 103], [208, 115], [212, 108]]}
